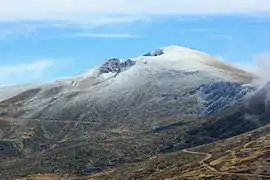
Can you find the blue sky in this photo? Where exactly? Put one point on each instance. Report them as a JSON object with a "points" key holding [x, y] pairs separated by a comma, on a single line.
{"points": [[63, 38]]}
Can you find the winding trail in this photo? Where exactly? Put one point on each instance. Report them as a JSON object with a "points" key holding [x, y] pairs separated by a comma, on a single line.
{"points": [[216, 171]]}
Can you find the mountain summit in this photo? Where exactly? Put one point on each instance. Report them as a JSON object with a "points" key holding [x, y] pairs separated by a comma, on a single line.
{"points": [[156, 84], [176, 58]]}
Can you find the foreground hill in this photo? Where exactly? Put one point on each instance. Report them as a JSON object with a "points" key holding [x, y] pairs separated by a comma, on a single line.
{"points": [[244, 157]]}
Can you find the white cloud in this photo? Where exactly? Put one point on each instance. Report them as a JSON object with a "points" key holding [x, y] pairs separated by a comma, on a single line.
{"points": [[31, 28], [262, 67], [35, 14], [19, 31], [103, 35], [13, 74], [76, 10]]}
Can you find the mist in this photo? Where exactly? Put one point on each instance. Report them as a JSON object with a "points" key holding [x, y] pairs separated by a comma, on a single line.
{"points": [[261, 68]]}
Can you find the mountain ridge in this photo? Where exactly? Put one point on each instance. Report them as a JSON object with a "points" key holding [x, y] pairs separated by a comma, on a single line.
{"points": [[164, 101], [156, 57]]}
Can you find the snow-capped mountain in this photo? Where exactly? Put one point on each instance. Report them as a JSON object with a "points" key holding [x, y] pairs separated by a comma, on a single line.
{"points": [[127, 111], [175, 58], [171, 82]]}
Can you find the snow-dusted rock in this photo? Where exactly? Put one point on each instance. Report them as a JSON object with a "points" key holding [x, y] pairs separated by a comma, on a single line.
{"points": [[174, 82]]}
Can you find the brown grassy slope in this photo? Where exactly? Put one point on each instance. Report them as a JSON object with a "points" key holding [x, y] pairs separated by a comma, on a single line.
{"points": [[245, 154]]}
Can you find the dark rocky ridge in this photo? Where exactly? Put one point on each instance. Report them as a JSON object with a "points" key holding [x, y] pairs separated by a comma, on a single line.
{"points": [[115, 65], [157, 52]]}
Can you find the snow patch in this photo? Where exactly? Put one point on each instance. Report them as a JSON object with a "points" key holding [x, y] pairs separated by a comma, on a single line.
{"points": [[184, 59]]}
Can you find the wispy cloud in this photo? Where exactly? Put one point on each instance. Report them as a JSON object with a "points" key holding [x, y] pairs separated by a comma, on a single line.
{"points": [[18, 73], [28, 27], [103, 35], [262, 67], [97, 13], [72, 9], [19, 31], [86, 22], [259, 65]]}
